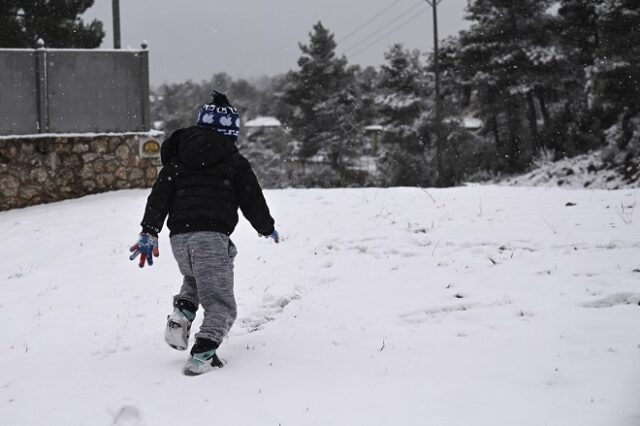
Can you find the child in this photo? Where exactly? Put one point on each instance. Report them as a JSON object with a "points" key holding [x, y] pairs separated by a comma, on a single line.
{"points": [[203, 181]]}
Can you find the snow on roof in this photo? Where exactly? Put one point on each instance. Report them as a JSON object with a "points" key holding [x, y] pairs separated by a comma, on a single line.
{"points": [[471, 123], [263, 122], [374, 128]]}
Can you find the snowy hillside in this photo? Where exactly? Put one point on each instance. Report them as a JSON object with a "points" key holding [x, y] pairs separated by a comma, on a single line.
{"points": [[582, 171], [469, 306]]}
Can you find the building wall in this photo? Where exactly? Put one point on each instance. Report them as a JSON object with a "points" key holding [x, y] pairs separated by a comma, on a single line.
{"points": [[36, 170]]}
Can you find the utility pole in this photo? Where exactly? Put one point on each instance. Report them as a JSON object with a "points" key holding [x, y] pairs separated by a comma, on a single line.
{"points": [[116, 23], [436, 68]]}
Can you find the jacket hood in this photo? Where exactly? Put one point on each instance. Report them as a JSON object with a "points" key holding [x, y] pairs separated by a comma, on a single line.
{"points": [[198, 147]]}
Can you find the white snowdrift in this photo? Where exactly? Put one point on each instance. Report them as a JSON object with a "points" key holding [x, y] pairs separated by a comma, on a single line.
{"points": [[471, 306], [582, 171]]}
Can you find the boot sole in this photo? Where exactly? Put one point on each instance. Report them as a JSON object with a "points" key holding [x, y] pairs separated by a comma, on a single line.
{"points": [[174, 336]]}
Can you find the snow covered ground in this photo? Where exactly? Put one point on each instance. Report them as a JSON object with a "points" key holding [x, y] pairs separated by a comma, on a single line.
{"points": [[471, 306], [579, 172]]}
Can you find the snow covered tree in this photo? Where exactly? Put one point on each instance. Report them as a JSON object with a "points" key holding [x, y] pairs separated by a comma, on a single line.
{"points": [[177, 104], [579, 30], [322, 97], [509, 57], [57, 22], [404, 109], [579, 124], [618, 65], [618, 77], [267, 150], [463, 153], [366, 82]]}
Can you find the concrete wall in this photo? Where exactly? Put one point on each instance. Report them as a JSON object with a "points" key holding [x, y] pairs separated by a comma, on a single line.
{"points": [[73, 90], [48, 168]]}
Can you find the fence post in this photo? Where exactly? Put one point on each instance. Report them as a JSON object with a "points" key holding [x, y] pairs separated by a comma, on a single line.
{"points": [[41, 85], [144, 87]]}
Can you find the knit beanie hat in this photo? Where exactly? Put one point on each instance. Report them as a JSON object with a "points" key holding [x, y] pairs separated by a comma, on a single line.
{"points": [[221, 116]]}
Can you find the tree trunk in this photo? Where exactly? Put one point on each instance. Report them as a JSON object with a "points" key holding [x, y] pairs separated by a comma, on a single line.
{"points": [[533, 125], [496, 132], [548, 139], [543, 105], [513, 150]]}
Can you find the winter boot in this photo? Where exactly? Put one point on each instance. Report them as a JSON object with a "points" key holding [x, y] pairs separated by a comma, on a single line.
{"points": [[179, 324], [203, 358]]}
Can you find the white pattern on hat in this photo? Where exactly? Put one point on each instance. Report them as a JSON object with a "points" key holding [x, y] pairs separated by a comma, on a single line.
{"points": [[207, 118]]}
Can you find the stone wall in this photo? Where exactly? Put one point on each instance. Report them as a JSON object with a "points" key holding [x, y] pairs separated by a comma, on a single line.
{"points": [[41, 169]]}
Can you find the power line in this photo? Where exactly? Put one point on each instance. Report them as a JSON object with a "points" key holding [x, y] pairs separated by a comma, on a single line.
{"points": [[396, 28], [369, 21], [383, 27], [373, 33]]}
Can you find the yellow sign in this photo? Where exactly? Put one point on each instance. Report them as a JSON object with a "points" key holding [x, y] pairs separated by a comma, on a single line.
{"points": [[151, 147]]}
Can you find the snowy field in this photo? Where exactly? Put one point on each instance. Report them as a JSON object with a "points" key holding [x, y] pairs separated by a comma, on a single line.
{"points": [[469, 306]]}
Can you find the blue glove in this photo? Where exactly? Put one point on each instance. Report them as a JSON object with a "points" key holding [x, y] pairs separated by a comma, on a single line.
{"points": [[146, 247], [274, 235]]}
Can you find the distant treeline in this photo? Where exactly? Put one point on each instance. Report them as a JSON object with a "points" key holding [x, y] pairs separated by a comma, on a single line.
{"points": [[542, 78]]}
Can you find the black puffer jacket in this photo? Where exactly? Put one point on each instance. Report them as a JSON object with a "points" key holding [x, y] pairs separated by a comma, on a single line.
{"points": [[203, 181]]}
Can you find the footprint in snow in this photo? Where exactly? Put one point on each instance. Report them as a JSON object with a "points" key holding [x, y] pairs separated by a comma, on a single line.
{"points": [[424, 315], [271, 306], [128, 415], [615, 299]]}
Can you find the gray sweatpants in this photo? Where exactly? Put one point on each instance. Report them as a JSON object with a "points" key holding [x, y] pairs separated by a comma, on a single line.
{"points": [[205, 260]]}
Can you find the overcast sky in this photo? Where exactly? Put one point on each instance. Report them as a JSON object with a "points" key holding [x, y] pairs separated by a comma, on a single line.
{"points": [[192, 39]]}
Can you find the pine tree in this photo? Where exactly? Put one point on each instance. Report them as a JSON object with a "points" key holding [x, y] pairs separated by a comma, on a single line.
{"points": [[11, 31], [619, 62], [579, 30], [462, 151], [266, 149], [322, 97], [404, 109], [509, 58], [618, 81], [579, 125], [57, 22], [366, 83]]}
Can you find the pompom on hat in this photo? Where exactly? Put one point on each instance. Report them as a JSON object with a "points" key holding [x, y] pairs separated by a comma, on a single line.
{"points": [[221, 116]]}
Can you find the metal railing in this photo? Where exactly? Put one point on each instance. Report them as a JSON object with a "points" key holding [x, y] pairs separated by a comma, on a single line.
{"points": [[73, 90]]}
